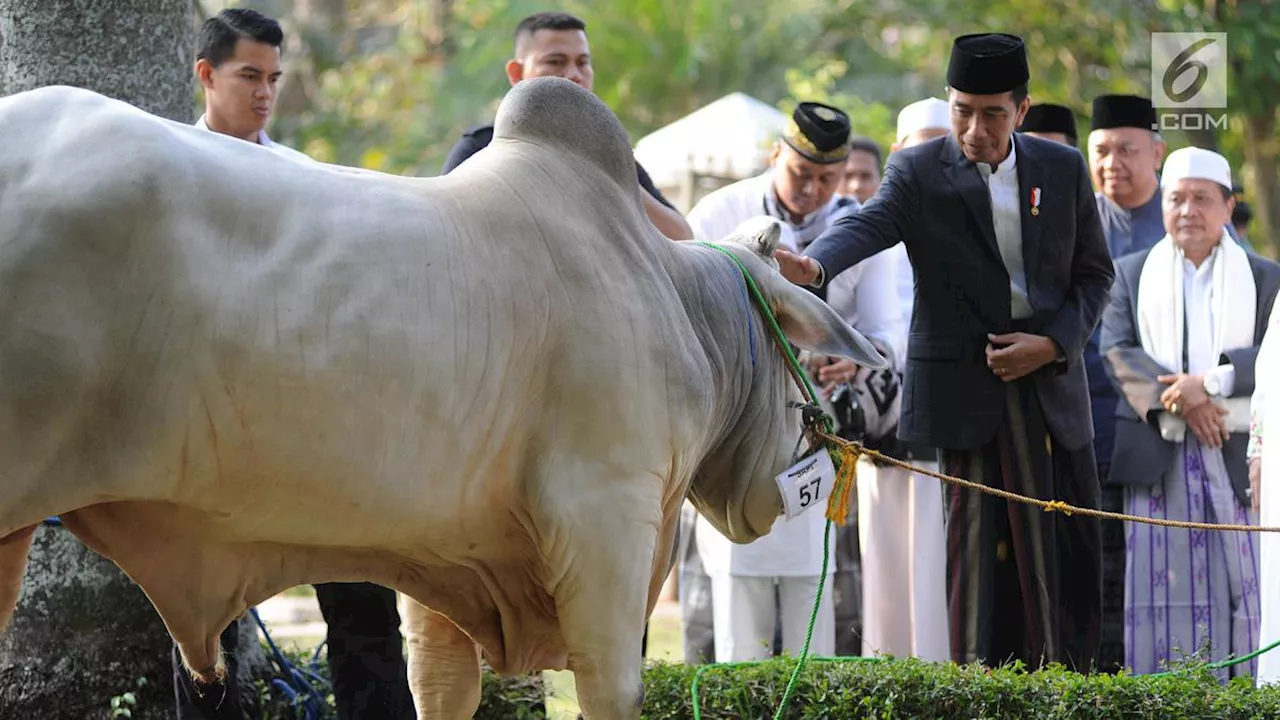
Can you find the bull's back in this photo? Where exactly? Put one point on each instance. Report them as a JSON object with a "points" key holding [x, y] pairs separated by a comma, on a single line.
{"points": [[204, 322], [191, 312], [432, 370]]}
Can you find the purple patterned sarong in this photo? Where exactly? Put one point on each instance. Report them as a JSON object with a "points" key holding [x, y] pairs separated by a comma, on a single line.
{"points": [[1190, 592]]}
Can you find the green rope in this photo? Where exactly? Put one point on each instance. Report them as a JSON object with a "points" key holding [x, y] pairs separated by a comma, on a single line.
{"points": [[811, 396], [1225, 663], [804, 653], [769, 318]]}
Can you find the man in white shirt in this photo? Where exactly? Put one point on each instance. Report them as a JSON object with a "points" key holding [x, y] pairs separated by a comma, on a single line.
{"points": [[919, 122], [238, 64], [801, 191], [1180, 339], [900, 519]]}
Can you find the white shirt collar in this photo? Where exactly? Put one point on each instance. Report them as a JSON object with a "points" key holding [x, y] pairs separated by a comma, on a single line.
{"points": [[1206, 267], [263, 140], [1006, 166]]}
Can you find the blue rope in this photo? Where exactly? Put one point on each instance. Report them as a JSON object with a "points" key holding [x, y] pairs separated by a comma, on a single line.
{"points": [[297, 684], [751, 328]]}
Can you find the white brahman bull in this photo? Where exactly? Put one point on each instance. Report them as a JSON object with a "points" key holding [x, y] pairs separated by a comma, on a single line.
{"points": [[232, 373]]}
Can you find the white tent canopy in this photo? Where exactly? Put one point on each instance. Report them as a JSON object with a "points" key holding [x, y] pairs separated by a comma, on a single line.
{"points": [[731, 136]]}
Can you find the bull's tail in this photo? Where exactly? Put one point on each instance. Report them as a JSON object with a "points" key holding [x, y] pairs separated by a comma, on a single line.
{"points": [[13, 565]]}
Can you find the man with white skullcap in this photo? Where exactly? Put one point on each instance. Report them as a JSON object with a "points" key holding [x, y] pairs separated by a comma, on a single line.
{"points": [[900, 519], [1180, 340], [922, 120]]}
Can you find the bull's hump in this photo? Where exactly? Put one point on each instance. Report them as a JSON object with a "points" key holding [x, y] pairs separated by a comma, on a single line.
{"points": [[556, 112]]}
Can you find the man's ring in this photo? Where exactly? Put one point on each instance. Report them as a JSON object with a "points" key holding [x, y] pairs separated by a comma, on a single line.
{"points": [[1173, 408]]}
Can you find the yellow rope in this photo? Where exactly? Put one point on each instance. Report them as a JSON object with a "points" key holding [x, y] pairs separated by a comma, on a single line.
{"points": [[1058, 505], [846, 481], [1048, 505]]}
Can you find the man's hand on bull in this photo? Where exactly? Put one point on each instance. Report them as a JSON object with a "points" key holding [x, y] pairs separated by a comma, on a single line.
{"points": [[797, 268], [1017, 355]]}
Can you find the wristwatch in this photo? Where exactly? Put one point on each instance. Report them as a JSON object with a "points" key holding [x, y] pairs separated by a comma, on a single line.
{"points": [[1212, 384]]}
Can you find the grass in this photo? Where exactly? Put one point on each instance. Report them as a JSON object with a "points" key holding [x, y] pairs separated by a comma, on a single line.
{"points": [[562, 696]]}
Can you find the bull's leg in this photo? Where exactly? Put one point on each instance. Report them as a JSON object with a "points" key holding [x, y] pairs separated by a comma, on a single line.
{"points": [[13, 566], [602, 603], [444, 665]]}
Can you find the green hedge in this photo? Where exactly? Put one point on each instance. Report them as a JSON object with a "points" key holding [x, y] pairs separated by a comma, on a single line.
{"points": [[919, 690], [910, 690]]}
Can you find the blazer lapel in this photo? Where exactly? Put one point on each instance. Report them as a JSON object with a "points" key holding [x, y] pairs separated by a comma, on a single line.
{"points": [[1030, 180], [967, 181]]}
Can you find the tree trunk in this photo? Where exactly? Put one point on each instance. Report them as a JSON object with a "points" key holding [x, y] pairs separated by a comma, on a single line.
{"points": [[83, 633], [1260, 148], [139, 51]]}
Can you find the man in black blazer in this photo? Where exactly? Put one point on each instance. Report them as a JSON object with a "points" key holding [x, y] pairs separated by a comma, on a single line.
{"points": [[1012, 274]]}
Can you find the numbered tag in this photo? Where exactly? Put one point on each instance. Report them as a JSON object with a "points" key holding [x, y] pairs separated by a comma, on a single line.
{"points": [[807, 483]]}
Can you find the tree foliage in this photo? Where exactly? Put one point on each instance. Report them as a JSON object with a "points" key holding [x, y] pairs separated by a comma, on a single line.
{"points": [[397, 106], [392, 85]]}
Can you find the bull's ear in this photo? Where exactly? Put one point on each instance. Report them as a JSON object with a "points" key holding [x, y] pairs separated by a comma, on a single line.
{"points": [[811, 324], [806, 321]]}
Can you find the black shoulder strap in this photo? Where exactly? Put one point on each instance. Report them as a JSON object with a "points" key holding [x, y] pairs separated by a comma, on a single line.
{"points": [[483, 133]]}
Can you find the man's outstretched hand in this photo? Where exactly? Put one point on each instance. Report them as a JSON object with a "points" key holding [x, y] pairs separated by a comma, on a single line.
{"points": [[796, 268]]}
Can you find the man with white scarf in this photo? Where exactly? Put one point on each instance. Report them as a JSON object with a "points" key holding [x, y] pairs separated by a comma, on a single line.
{"points": [[1181, 339], [1264, 482], [800, 190]]}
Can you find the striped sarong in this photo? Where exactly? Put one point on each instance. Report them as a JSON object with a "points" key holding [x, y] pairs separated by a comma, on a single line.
{"points": [[1022, 583]]}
